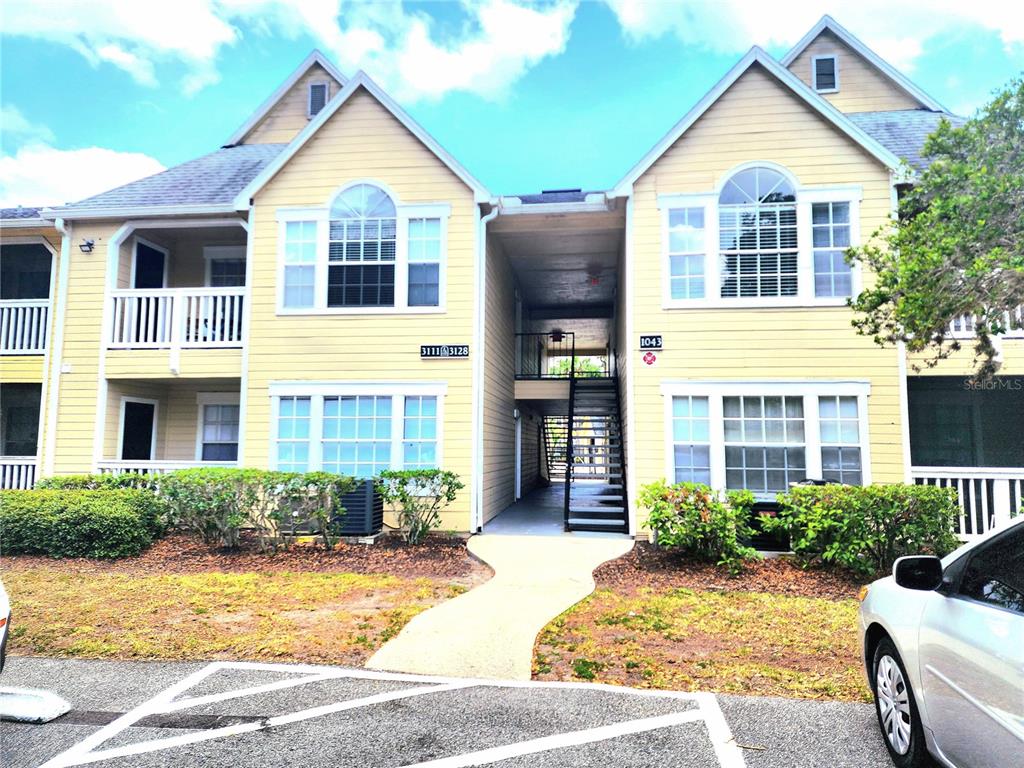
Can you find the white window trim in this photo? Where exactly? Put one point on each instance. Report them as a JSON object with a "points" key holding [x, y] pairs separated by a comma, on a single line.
{"points": [[135, 252], [120, 425], [321, 215], [212, 253], [215, 398], [316, 391], [810, 390], [309, 96], [814, 72], [805, 197]]}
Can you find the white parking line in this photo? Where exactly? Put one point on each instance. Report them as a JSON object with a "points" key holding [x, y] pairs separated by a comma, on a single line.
{"points": [[88, 750]]}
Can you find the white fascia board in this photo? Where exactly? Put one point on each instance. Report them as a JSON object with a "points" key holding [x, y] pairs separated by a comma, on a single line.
{"points": [[837, 29], [787, 78], [315, 57], [360, 80], [72, 213], [555, 208], [16, 223]]}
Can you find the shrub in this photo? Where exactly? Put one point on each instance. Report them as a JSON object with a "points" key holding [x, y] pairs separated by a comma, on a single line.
{"points": [[866, 528], [80, 523], [99, 482], [217, 502], [693, 519], [418, 496]]}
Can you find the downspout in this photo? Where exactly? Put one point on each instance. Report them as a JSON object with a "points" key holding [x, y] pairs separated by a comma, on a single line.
{"points": [[57, 352], [479, 336]]}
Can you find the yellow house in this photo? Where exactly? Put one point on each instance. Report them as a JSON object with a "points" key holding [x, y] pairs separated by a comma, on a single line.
{"points": [[332, 290]]}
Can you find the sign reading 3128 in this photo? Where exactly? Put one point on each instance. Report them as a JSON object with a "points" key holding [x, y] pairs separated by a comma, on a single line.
{"points": [[444, 350]]}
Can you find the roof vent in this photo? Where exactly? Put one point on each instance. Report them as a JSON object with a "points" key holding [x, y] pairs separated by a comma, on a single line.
{"points": [[317, 98]]}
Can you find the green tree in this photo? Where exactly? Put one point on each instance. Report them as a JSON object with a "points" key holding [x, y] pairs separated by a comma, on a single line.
{"points": [[957, 247]]}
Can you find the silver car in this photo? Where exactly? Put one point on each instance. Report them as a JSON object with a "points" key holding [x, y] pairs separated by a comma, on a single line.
{"points": [[943, 648]]}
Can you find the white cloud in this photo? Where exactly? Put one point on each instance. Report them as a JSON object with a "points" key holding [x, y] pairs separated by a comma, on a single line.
{"points": [[42, 175], [404, 49], [898, 32], [18, 128]]}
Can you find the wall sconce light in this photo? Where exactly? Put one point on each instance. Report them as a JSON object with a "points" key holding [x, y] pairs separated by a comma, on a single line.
{"points": [[86, 245]]}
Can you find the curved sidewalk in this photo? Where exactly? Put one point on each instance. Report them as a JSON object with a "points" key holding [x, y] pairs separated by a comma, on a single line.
{"points": [[489, 631]]}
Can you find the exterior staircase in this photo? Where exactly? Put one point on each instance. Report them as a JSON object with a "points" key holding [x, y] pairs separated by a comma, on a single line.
{"points": [[595, 488]]}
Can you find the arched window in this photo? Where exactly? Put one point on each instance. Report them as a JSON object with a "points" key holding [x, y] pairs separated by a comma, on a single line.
{"points": [[362, 248], [758, 235]]}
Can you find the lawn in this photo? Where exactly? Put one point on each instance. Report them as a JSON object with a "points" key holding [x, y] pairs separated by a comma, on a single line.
{"points": [[179, 601], [695, 628]]}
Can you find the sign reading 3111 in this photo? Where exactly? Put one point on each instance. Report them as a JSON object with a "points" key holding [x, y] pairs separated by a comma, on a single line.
{"points": [[444, 350]]}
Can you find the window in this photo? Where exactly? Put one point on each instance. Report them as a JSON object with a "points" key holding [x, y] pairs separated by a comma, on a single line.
{"points": [[318, 93], [346, 429], [293, 418], [825, 73], [686, 252], [419, 438], [424, 262], [299, 263], [357, 435], [691, 440], [19, 419], [830, 236], [995, 572], [24, 271], [362, 249], [219, 438], [764, 443], [758, 235], [227, 273], [839, 424]]}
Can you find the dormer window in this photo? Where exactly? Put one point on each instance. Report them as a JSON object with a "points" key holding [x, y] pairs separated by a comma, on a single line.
{"points": [[825, 74], [317, 98]]}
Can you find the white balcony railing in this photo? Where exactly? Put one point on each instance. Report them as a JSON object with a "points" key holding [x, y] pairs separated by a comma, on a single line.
{"points": [[23, 326], [17, 472], [962, 327], [989, 496], [169, 318], [155, 467]]}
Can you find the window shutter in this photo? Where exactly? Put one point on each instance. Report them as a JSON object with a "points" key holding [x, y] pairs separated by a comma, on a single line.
{"points": [[317, 98]]}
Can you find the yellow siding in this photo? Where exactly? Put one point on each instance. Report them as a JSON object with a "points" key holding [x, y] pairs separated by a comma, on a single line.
{"points": [[290, 115], [21, 369], [499, 377], [862, 87], [155, 363], [364, 141], [757, 119]]}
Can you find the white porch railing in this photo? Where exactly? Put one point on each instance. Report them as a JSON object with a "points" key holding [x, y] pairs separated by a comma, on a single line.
{"points": [[169, 318], [156, 467], [962, 327], [989, 496], [23, 326], [17, 472]]}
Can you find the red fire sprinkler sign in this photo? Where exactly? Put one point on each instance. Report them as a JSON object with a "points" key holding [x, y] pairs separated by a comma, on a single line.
{"points": [[650, 358]]}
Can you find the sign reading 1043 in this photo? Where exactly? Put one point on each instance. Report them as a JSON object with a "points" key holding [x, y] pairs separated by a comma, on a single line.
{"points": [[651, 342], [444, 350]]}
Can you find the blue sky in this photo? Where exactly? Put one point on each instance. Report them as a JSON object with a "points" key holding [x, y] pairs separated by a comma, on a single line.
{"points": [[552, 95]]}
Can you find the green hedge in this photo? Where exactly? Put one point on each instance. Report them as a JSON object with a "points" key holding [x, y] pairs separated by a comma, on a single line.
{"points": [[98, 482], [80, 523], [692, 519], [866, 528]]}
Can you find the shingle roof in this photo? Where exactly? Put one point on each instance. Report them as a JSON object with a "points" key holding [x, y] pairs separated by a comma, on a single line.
{"points": [[554, 196], [904, 131], [21, 212], [212, 179]]}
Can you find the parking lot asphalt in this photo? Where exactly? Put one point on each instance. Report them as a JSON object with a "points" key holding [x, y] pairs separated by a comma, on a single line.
{"points": [[235, 715]]}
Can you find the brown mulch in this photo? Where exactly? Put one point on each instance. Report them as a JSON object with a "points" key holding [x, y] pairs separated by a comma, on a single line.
{"points": [[649, 566], [441, 557]]}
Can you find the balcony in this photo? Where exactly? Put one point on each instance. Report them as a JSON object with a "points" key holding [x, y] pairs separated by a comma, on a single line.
{"points": [[168, 318], [17, 472], [988, 496], [23, 326], [121, 467], [963, 326]]}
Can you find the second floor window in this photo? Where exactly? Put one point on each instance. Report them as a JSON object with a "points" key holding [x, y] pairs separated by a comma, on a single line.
{"points": [[362, 248]]}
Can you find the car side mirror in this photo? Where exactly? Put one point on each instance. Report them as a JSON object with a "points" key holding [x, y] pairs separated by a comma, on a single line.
{"points": [[922, 572]]}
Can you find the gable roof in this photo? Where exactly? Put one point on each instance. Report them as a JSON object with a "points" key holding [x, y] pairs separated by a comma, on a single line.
{"points": [[207, 184], [758, 56], [833, 26], [904, 131], [315, 57], [361, 80]]}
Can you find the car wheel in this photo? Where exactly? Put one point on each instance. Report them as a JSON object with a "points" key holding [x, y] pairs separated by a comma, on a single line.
{"points": [[896, 708]]}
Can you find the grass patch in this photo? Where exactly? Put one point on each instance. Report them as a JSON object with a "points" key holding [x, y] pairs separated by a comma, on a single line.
{"points": [[311, 617], [732, 642]]}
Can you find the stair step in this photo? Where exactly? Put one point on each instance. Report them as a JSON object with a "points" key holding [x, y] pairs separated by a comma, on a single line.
{"points": [[583, 509], [598, 526], [605, 497]]}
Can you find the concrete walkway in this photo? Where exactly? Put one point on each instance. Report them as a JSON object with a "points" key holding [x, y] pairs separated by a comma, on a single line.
{"points": [[489, 631]]}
